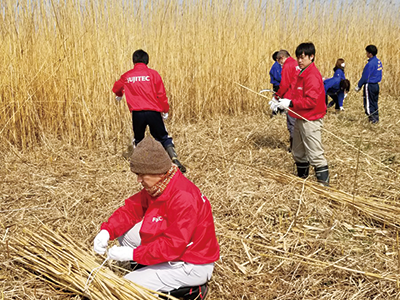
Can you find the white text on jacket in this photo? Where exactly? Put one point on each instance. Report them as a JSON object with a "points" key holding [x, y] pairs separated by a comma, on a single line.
{"points": [[137, 78]]}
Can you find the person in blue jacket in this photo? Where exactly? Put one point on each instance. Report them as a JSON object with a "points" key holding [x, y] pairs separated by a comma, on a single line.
{"points": [[337, 86], [371, 76], [275, 73]]}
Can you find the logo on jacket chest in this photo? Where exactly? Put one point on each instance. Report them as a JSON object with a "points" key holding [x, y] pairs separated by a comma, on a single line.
{"points": [[157, 219], [137, 78]]}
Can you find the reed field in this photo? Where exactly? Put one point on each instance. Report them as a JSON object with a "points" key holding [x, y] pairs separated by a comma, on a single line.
{"points": [[63, 140]]}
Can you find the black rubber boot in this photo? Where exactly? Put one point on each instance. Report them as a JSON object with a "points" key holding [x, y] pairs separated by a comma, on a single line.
{"points": [[174, 157], [322, 174], [303, 169]]}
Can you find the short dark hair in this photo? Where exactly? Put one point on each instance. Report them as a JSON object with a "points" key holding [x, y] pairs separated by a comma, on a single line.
{"points": [[345, 85], [275, 55], [372, 49], [140, 56], [306, 49]]}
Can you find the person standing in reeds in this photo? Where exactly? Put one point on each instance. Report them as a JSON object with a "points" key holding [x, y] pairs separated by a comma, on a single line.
{"points": [[168, 226], [275, 73], [371, 76], [337, 87], [275, 77], [290, 70], [147, 100], [308, 107]]}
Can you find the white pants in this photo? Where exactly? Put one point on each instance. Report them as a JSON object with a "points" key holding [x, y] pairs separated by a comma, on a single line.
{"points": [[166, 276]]}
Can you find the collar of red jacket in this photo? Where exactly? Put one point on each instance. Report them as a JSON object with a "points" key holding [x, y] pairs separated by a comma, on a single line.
{"points": [[306, 70], [140, 66]]}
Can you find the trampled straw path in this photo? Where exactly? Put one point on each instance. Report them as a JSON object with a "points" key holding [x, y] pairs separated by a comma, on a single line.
{"points": [[67, 265]]}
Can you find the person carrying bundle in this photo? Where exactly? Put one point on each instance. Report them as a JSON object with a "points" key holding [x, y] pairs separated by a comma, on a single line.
{"points": [[168, 226], [146, 98]]}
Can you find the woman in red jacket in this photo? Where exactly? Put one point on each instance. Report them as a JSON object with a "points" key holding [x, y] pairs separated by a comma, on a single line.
{"points": [[168, 226]]}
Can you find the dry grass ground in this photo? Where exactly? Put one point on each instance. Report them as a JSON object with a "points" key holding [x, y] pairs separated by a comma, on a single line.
{"points": [[280, 239]]}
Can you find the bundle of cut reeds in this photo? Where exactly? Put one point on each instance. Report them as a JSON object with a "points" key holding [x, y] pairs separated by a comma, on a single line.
{"points": [[376, 209], [67, 265]]}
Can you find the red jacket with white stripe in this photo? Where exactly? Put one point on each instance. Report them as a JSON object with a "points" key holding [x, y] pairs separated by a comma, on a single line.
{"points": [[177, 226], [144, 89], [309, 95], [290, 70]]}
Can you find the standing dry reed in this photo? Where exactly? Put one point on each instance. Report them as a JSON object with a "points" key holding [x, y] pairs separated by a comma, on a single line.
{"points": [[60, 58]]}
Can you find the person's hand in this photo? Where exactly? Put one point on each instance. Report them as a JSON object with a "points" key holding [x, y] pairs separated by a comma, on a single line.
{"points": [[101, 242], [273, 104], [118, 98], [357, 88], [121, 253], [164, 115], [284, 103]]}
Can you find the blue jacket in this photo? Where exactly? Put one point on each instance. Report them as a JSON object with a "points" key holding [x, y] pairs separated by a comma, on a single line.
{"points": [[275, 73], [372, 72], [332, 87], [339, 73]]}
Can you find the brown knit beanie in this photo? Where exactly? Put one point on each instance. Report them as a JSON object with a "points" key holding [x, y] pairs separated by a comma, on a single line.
{"points": [[150, 157]]}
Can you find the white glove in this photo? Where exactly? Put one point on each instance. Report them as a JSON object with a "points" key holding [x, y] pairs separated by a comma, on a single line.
{"points": [[341, 108], [101, 242], [164, 115], [121, 253], [118, 98], [273, 104], [284, 103], [357, 88]]}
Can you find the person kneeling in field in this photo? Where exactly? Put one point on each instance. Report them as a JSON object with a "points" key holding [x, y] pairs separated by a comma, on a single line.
{"points": [[168, 226], [308, 106]]}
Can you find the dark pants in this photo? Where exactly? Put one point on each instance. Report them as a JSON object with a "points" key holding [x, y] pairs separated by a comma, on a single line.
{"points": [[371, 95], [290, 122], [140, 120], [335, 100]]}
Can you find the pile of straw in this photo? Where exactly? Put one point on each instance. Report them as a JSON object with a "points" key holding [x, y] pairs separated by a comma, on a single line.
{"points": [[66, 264], [377, 209]]}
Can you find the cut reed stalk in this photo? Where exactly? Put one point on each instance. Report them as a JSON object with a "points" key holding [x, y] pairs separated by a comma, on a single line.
{"points": [[65, 264]]}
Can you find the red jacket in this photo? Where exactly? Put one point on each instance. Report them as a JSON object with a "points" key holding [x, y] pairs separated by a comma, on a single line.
{"points": [[144, 89], [309, 95], [290, 70], [177, 226]]}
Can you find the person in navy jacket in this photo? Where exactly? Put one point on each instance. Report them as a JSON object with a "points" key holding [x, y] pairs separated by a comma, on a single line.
{"points": [[168, 226], [275, 73], [371, 76], [147, 100], [337, 87]]}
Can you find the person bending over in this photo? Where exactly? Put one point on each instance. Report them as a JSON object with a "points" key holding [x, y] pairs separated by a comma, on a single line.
{"points": [[168, 226]]}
